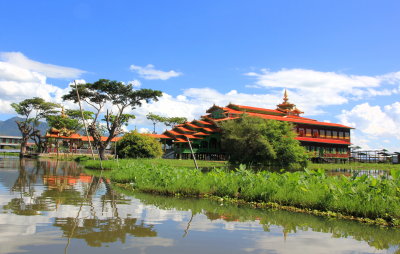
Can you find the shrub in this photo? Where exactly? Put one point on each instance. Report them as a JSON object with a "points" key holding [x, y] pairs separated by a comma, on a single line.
{"points": [[251, 140], [136, 145]]}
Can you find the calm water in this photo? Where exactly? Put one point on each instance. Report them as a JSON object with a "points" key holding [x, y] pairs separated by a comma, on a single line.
{"points": [[50, 207]]}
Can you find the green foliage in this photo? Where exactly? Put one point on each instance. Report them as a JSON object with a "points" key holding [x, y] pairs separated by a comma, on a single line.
{"points": [[355, 166], [366, 197], [59, 122], [168, 121], [154, 162], [136, 145], [120, 95], [32, 110], [172, 121], [251, 140]]}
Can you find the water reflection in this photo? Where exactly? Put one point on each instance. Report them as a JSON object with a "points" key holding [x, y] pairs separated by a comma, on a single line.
{"points": [[49, 204]]}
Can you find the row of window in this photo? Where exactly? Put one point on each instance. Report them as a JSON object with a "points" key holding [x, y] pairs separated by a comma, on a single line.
{"points": [[10, 140], [341, 150], [315, 133]]}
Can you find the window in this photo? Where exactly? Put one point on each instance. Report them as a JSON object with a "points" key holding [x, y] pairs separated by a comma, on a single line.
{"points": [[322, 133], [308, 132], [334, 134], [347, 135], [329, 134], [301, 132], [341, 134], [315, 134]]}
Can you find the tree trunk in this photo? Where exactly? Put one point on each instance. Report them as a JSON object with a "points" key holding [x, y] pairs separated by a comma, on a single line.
{"points": [[23, 149], [102, 152]]}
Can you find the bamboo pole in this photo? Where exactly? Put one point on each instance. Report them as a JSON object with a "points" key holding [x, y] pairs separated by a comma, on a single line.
{"points": [[191, 150], [83, 119]]}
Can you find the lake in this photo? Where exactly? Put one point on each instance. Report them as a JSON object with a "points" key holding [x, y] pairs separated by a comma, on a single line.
{"points": [[54, 207]]}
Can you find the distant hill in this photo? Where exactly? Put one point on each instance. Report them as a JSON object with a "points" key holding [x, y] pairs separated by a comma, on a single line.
{"points": [[9, 127]]}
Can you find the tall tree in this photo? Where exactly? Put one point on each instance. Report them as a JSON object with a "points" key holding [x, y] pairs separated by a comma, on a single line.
{"points": [[251, 140], [120, 95], [32, 111], [155, 119], [172, 121]]}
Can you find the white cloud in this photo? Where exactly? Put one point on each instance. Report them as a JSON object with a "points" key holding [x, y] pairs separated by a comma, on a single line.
{"points": [[194, 102], [135, 83], [148, 72], [311, 90], [144, 130], [49, 70], [22, 78], [374, 123]]}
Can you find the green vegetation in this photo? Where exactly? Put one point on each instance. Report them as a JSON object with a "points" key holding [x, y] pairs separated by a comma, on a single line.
{"points": [[8, 154], [378, 237], [251, 140], [354, 166], [125, 163], [135, 145], [167, 121], [102, 92], [373, 198], [32, 111]]}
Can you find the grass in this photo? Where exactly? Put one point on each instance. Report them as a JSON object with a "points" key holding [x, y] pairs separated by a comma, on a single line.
{"points": [[354, 166], [372, 198], [123, 163], [9, 154]]}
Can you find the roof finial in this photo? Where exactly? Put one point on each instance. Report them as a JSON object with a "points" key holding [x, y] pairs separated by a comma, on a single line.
{"points": [[285, 96], [63, 115]]}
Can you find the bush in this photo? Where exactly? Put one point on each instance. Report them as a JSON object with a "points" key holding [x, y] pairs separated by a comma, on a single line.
{"points": [[251, 140], [136, 145]]}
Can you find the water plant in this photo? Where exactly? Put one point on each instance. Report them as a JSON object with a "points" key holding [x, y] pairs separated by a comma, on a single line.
{"points": [[361, 196]]}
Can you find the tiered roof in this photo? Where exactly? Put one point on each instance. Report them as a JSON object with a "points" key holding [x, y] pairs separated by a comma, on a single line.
{"points": [[285, 111]]}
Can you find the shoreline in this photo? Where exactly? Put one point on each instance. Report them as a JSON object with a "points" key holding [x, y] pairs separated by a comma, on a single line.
{"points": [[306, 192]]}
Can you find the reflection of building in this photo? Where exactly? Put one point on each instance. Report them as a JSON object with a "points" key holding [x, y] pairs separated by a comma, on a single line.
{"points": [[62, 182], [73, 142], [324, 140], [10, 143]]}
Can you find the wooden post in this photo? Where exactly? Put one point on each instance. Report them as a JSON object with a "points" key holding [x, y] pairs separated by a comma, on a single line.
{"points": [[83, 119], [191, 150]]}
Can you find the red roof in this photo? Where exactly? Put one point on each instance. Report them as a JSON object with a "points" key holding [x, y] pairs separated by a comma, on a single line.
{"points": [[299, 120], [85, 138], [203, 122], [161, 136], [323, 140], [201, 134], [191, 136], [179, 140], [184, 129], [173, 133], [209, 129], [194, 126], [255, 108]]}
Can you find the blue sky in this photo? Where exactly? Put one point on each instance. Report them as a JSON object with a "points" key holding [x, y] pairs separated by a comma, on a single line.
{"points": [[339, 60]]}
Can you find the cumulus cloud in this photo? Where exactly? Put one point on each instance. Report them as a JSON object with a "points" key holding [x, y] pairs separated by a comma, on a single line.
{"points": [[312, 89], [22, 78], [135, 83], [148, 72], [49, 70], [374, 123], [193, 102]]}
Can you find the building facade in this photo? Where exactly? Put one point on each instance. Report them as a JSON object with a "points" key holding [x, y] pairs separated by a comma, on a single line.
{"points": [[10, 143], [325, 141]]}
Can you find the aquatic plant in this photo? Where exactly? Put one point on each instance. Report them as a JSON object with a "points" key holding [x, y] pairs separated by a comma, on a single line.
{"points": [[362, 196]]}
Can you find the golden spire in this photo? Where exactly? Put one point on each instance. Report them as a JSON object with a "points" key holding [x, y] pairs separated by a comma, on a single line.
{"points": [[285, 96], [63, 115]]}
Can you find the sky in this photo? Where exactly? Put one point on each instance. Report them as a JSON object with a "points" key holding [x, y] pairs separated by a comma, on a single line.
{"points": [[339, 60]]}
